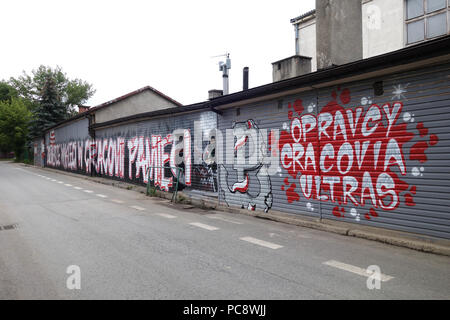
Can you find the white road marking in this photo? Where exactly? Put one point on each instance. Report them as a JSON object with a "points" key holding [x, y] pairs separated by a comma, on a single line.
{"points": [[78, 188], [101, 195], [117, 201], [165, 215], [53, 180], [223, 219], [203, 226], [137, 208], [68, 185], [354, 269], [262, 243], [60, 182], [88, 191]]}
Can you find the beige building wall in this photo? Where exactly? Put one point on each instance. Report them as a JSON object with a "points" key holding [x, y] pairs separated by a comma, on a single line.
{"points": [[144, 101], [383, 26], [307, 41]]}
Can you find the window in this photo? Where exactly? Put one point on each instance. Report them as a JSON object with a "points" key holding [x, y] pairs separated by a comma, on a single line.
{"points": [[426, 19]]}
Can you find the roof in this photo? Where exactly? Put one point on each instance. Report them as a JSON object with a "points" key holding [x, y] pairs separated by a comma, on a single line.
{"points": [[422, 51], [125, 96], [110, 102], [305, 15]]}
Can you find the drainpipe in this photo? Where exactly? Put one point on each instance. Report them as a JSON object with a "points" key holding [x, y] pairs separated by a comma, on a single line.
{"points": [[297, 45]]}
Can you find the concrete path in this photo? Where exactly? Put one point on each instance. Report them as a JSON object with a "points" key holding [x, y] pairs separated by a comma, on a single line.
{"points": [[129, 246]]}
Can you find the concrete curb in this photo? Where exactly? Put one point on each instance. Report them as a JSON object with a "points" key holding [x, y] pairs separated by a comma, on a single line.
{"points": [[396, 238]]}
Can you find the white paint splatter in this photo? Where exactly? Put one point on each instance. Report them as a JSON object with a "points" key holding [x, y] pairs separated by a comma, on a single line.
{"points": [[353, 212], [422, 169], [415, 172], [364, 101], [407, 117], [285, 126]]}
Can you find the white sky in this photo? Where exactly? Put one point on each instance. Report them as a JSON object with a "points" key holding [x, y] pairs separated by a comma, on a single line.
{"points": [[120, 46]]}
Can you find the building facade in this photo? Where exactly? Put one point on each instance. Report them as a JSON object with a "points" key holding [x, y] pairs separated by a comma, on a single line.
{"points": [[338, 32], [367, 142]]}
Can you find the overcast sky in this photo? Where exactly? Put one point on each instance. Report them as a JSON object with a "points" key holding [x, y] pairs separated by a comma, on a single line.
{"points": [[120, 46]]}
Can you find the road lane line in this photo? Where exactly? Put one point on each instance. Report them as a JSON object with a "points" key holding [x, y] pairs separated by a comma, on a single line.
{"points": [[88, 191], [68, 185], [60, 182], [101, 195], [224, 219], [262, 243], [137, 208], [354, 269], [203, 226], [77, 188], [53, 180], [165, 215], [117, 201]]}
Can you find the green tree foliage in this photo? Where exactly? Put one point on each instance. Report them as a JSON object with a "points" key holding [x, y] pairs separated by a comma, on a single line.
{"points": [[7, 92], [14, 120], [70, 92], [50, 95], [49, 109]]}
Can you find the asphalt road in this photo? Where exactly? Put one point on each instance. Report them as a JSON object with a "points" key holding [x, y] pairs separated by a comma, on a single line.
{"points": [[129, 246]]}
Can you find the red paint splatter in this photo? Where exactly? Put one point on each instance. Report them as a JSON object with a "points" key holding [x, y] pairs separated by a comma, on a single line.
{"points": [[282, 188], [334, 95], [433, 140], [422, 130], [345, 96], [367, 217], [291, 194], [298, 106], [409, 201], [413, 190], [417, 151], [340, 213], [286, 180], [290, 114], [373, 213]]}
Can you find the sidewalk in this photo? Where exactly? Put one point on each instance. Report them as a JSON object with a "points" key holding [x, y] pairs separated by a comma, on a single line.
{"points": [[392, 237]]}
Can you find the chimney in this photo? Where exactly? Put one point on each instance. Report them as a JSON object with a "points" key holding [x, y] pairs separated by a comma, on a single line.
{"points": [[82, 109], [245, 80], [212, 94], [338, 32], [290, 67]]}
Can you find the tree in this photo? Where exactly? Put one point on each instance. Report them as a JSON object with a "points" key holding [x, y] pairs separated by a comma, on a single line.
{"points": [[7, 92], [14, 120], [50, 95], [70, 92], [49, 109]]}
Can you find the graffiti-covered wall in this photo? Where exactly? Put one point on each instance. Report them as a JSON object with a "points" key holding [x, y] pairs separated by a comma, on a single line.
{"points": [[375, 152], [160, 150], [154, 149], [39, 152], [65, 146]]}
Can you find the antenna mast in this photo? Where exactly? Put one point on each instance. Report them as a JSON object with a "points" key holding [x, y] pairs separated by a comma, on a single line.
{"points": [[224, 67]]}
